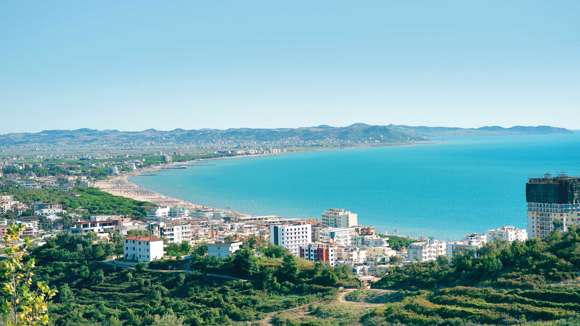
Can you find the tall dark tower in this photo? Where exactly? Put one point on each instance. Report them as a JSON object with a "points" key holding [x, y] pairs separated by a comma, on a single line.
{"points": [[553, 204]]}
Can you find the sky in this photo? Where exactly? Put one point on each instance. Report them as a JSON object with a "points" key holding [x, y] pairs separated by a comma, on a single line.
{"points": [[134, 65]]}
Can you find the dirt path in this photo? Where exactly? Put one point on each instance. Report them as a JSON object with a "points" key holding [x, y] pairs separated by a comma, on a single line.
{"points": [[340, 299]]}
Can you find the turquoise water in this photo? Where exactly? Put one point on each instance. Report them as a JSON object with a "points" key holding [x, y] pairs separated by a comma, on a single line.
{"points": [[443, 190]]}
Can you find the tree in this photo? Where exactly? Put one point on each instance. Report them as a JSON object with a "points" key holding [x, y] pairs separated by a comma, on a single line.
{"points": [[98, 276], [65, 294], [25, 301], [245, 263], [289, 269]]}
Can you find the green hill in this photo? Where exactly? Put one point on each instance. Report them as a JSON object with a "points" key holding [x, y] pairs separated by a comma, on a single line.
{"points": [[531, 282]]}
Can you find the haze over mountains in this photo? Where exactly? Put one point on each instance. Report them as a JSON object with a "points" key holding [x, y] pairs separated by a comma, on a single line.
{"points": [[356, 134]]}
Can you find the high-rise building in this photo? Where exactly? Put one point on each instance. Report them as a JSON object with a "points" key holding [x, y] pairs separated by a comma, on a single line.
{"points": [[339, 218], [553, 204], [291, 236]]}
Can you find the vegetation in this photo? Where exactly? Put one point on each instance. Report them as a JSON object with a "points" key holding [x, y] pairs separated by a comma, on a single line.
{"points": [[177, 250], [397, 243], [91, 200], [504, 283], [248, 288], [24, 302]]}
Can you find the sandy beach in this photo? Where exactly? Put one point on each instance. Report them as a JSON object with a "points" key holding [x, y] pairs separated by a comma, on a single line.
{"points": [[121, 186]]}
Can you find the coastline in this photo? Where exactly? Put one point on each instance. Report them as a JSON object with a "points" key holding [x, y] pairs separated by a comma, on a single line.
{"points": [[121, 186]]}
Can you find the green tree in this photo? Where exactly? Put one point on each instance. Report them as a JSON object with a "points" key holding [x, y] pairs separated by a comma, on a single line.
{"points": [[245, 263], [25, 301], [289, 269]]}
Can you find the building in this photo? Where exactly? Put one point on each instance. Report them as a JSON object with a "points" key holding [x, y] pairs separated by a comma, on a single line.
{"points": [[159, 212], [319, 252], [291, 236], [30, 228], [175, 231], [370, 241], [223, 249], [6, 203], [143, 248], [469, 244], [426, 250], [338, 236], [339, 218], [553, 204], [351, 256], [507, 233], [96, 224]]}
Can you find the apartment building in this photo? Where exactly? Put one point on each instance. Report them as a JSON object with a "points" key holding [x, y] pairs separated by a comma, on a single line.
{"points": [[339, 218], [96, 224], [175, 231], [338, 236], [143, 248], [428, 250], [291, 236], [319, 252], [507, 233]]}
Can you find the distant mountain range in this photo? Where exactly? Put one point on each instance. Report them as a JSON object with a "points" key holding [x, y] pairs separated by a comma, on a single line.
{"points": [[356, 134]]}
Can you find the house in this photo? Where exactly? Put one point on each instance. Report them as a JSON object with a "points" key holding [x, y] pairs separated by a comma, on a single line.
{"points": [[143, 248], [223, 249]]}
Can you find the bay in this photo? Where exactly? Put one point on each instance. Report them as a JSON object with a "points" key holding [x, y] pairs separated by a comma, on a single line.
{"points": [[444, 189]]}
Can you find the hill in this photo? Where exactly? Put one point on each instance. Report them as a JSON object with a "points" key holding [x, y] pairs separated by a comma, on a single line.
{"points": [[535, 281], [353, 135]]}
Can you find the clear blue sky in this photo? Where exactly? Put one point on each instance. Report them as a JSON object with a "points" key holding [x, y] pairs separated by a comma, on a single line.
{"points": [[133, 65]]}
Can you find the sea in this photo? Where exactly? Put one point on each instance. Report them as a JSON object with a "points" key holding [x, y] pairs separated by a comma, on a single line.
{"points": [[443, 189]]}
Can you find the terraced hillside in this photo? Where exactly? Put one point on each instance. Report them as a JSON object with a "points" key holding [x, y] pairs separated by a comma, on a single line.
{"points": [[504, 284], [482, 306]]}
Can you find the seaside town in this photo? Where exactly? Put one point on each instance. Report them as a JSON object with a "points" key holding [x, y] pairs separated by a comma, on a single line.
{"points": [[334, 238]]}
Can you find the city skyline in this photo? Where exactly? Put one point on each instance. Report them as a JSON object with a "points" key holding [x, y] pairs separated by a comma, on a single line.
{"points": [[111, 65]]}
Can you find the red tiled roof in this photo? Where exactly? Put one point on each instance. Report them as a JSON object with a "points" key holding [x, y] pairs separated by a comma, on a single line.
{"points": [[143, 238]]}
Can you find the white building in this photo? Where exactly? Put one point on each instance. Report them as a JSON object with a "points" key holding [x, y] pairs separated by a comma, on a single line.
{"points": [[143, 248], [426, 250], [160, 212], [507, 233], [351, 256], [291, 236], [338, 236], [96, 224], [49, 211], [469, 244], [175, 231], [223, 249], [370, 241], [339, 218]]}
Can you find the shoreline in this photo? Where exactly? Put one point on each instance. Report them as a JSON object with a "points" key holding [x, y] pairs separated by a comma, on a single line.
{"points": [[121, 186]]}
